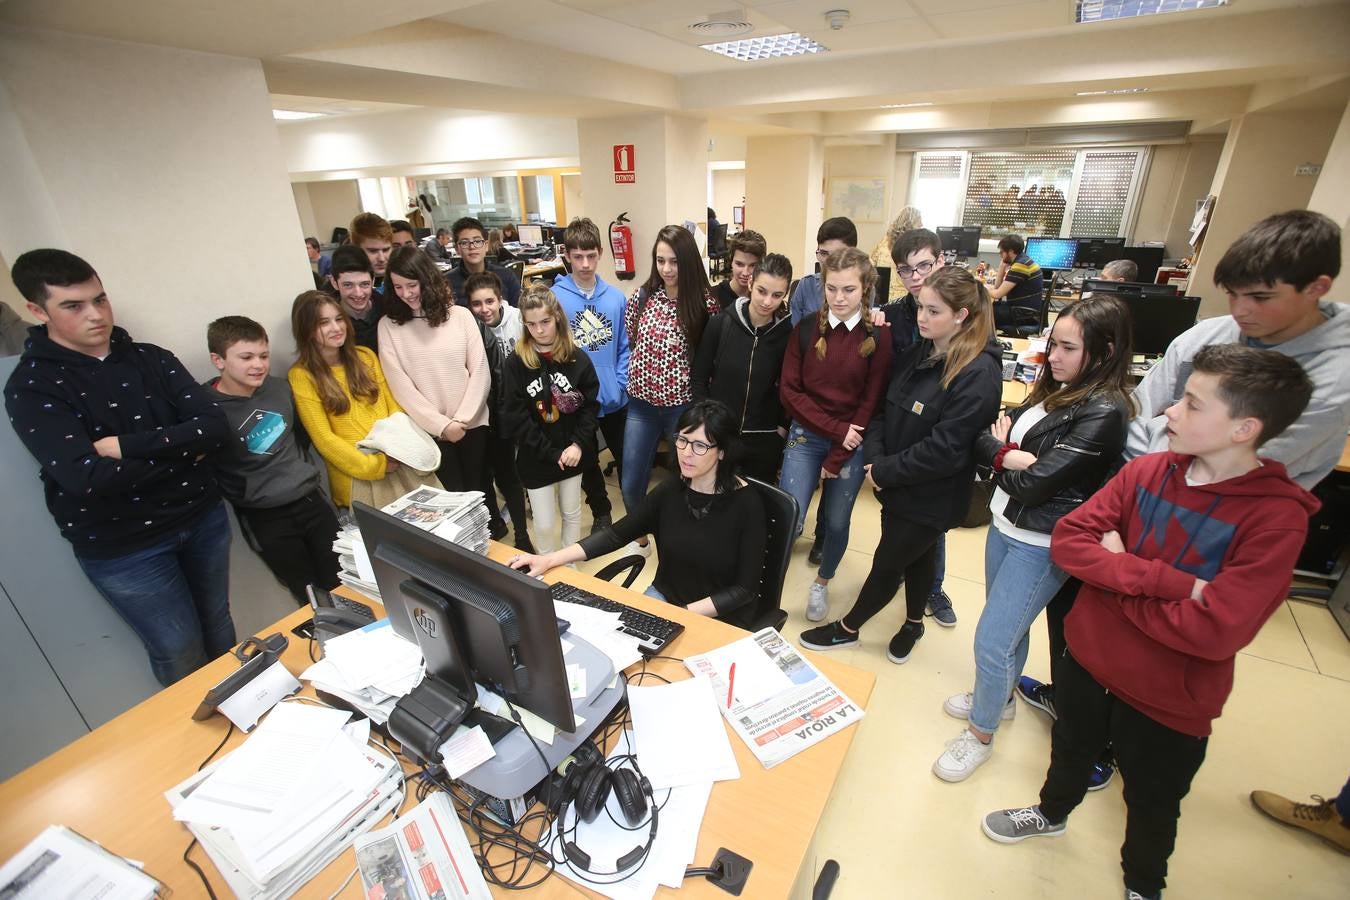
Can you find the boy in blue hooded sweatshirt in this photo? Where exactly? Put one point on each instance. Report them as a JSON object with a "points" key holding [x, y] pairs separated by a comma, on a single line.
{"points": [[595, 311]]}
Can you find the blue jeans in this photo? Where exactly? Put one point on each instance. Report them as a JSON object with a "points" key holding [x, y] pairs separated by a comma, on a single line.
{"points": [[805, 454], [940, 565], [1019, 581], [642, 431], [652, 592], [175, 594]]}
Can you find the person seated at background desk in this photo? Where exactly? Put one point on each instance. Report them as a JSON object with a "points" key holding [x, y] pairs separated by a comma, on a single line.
{"points": [[1019, 283], [438, 247], [708, 523], [472, 243], [496, 249], [1120, 270]]}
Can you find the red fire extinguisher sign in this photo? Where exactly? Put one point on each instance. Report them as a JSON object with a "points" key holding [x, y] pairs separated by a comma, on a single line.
{"points": [[625, 169]]}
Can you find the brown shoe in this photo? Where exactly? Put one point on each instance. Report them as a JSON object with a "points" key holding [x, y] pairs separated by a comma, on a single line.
{"points": [[1319, 817]]}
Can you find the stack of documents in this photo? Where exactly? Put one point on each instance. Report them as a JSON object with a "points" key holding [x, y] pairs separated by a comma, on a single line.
{"points": [[370, 668], [602, 630], [459, 517], [61, 863], [424, 855], [272, 813], [773, 698]]}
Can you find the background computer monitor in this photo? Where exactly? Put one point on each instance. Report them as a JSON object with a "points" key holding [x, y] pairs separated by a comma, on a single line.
{"points": [[1095, 252], [963, 241], [1052, 253], [555, 233], [530, 235], [503, 633], [1135, 288], [1148, 259], [1158, 320]]}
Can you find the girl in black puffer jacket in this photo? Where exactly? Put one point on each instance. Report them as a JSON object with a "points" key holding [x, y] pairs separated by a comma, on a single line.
{"points": [[1048, 456]]}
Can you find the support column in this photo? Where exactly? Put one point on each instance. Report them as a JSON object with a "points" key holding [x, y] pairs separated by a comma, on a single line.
{"points": [[784, 194], [669, 177], [1331, 195], [1255, 178]]}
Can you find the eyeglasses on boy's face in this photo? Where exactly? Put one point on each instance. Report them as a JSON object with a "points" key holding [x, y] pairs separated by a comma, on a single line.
{"points": [[470, 243], [922, 269], [699, 447]]}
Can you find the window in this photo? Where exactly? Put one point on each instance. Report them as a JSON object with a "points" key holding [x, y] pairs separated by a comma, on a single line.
{"points": [[1051, 192]]}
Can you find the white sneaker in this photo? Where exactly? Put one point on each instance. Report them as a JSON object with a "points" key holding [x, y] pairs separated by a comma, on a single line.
{"points": [[958, 706], [817, 602], [633, 548], [964, 754]]}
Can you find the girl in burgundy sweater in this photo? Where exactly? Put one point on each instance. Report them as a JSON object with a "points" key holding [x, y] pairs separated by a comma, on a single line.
{"points": [[833, 375]]}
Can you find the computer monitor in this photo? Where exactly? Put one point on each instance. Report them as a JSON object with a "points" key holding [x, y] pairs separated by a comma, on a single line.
{"points": [[530, 235], [963, 241], [1095, 252], [1148, 259], [1158, 320], [476, 620], [1134, 288], [554, 233], [1052, 253]]}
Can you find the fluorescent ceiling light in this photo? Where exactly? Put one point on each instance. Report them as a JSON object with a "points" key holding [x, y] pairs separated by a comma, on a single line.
{"points": [[905, 105], [1086, 11], [291, 115], [1112, 93], [751, 49]]}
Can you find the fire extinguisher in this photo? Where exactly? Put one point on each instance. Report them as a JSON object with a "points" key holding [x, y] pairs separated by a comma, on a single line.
{"points": [[621, 247]]}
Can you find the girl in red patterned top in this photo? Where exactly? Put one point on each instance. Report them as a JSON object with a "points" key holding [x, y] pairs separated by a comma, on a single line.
{"points": [[664, 321]]}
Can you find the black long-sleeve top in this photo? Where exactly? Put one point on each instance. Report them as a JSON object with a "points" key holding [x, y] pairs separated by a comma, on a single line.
{"points": [[533, 415], [61, 401], [719, 556]]}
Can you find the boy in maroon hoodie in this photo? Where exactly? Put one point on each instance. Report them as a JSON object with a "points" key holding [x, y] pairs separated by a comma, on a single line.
{"points": [[1183, 556]]}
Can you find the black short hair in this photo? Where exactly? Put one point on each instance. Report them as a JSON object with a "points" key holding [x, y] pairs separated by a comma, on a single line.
{"points": [[225, 332], [33, 272], [1296, 247], [839, 228], [313, 242], [907, 243], [1263, 384], [1012, 243], [350, 258], [479, 280], [467, 223], [722, 430], [401, 225]]}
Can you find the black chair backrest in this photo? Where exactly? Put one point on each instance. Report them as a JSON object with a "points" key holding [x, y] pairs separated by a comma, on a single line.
{"points": [[517, 269], [339, 235], [780, 512]]}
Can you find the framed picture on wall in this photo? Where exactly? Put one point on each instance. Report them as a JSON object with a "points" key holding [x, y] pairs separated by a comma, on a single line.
{"points": [[862, 199]]}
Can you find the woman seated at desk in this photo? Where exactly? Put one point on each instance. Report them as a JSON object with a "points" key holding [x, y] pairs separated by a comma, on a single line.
{"points": [[496, 249], [708, 523]]}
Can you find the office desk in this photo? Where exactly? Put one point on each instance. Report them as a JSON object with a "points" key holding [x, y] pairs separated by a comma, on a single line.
{"points": [[109, 784], [540, 269]]}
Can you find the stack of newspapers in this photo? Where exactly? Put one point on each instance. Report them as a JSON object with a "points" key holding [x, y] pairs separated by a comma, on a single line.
{"points": [[278, 809], [459, 517]]}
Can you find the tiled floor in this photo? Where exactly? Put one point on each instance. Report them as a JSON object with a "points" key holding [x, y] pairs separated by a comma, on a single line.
{"points": [[899, 832]]}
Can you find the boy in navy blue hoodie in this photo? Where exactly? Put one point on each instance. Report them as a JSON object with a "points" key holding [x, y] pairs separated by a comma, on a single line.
{"points": [[595, 311], [119, 430]]}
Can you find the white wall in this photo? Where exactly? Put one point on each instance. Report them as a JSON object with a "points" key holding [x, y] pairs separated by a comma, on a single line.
{"points": [[783, 200], [728, 191], [154, 164], [335, 204], [305, 210], [868, 161], [1331, 195], [417, 141]]}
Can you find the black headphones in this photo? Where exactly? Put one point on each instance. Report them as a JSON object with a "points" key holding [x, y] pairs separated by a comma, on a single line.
{"points": [[583, 783]]}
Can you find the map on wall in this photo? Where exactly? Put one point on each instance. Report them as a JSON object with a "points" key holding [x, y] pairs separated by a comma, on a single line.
{"points": [[861, 199]]}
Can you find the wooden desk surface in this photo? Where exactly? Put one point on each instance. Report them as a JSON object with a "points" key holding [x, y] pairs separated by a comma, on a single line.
{"points": [[1344, 464], [109, 784]]}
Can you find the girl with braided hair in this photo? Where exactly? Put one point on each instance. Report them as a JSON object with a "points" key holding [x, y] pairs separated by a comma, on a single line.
{"points": [[833, 375]]}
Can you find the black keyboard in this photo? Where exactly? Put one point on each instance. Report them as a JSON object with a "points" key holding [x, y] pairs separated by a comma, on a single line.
{"points": [[653, 633]]}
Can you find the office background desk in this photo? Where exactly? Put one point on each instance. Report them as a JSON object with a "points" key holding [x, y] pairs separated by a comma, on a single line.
{"points": [[109, 785]]}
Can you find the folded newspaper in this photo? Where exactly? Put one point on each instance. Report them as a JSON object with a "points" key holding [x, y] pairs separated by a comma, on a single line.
{"points": [[423, 855], [774, 699]]}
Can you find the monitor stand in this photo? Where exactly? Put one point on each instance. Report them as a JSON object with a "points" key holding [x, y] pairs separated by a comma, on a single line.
{"points": [[516, 767]]}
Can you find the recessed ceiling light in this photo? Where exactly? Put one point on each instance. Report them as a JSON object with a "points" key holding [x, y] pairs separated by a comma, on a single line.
{"points": [[777, 45], [1116, 91], [291, 115], [1086, 11], [905, 105]]}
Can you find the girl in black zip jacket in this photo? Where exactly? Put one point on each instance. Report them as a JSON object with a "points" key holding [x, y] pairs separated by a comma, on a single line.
{"points": [[919, 452], [550, 400], [1048, 457], [739, 362]]}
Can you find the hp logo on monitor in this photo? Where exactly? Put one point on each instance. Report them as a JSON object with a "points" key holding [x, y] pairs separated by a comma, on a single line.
{"points": [[424, 621]]}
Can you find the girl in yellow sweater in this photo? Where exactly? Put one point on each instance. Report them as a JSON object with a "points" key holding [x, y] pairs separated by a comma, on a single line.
{"points": [[339, 391]]}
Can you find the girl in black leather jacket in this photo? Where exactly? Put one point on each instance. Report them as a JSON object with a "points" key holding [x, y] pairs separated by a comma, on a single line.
{"points": [[1048, 456]]}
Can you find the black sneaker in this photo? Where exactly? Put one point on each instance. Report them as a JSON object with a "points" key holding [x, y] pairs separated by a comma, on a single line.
{"points": [[1038, 694], [497, 530], [940, 608], [604, 520], [902, 645], [1102, 773], [817, 550], [828, 637], [523, 542]]}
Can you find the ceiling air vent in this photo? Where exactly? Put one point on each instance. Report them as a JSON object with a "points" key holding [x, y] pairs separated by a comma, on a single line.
{"points": [[722, 25]]}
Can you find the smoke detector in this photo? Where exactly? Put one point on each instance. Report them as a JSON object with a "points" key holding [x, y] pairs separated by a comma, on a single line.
{"points": [[836, 18], [719, 25]]}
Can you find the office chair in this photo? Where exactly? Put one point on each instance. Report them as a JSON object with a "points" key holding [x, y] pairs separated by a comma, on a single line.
{"points": [[340, 235], [1029, 322], [719, 259], [517, 269]]}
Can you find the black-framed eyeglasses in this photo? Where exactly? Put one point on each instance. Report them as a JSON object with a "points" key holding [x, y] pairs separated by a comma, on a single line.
{"points": [[470, 243], [700, 448], [921, 269]]}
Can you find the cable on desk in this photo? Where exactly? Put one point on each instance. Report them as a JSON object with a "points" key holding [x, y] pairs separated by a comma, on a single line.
{"points": [[192, 865]]}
